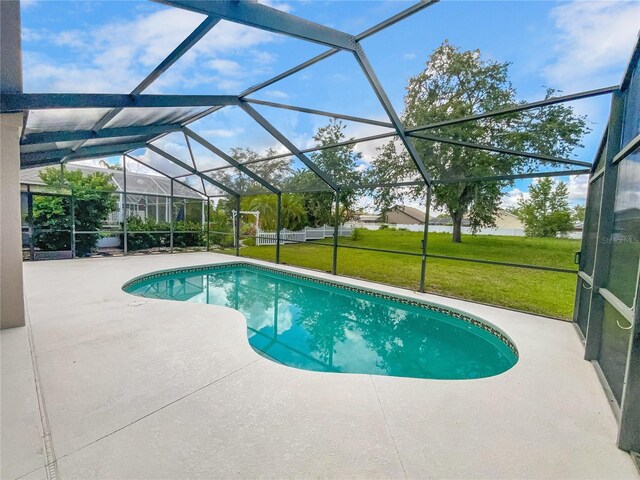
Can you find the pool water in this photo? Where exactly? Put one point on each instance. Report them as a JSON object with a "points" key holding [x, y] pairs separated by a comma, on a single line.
{"points": [[316, 325]]}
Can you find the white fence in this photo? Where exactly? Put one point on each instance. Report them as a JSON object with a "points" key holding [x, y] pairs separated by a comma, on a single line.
{"points": [[510, 232], [288, 236]]}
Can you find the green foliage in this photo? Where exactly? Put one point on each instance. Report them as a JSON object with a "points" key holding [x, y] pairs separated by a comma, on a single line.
{"points": [[248, 229], [546, 212], [188, 234], [138, 237], [185, 234], [52, 222], [293, 213], [276, 171], [94, 201], [339, 163], [578, 212], [220, 222], [357, 234], [456, 83]]}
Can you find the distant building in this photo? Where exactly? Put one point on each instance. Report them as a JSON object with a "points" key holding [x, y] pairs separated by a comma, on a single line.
{"points": [[508, 220], [504, 219], [446, 221], [396, 215], [148, 196], [403, 215], [369, 218]]}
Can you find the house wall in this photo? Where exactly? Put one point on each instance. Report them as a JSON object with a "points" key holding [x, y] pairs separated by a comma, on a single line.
{"points": [[508, 221], [398, 217], [11, 294]]}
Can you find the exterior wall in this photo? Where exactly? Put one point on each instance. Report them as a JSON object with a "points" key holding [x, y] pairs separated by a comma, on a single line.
{"points": [[398, 217], [11, 294], [506, 220]]}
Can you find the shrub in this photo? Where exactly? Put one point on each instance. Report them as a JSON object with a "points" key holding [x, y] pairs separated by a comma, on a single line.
{"points": [[357, 234], [249, 229], [193, 235], [141, 236], [138, 237], [94, 201], [223, 240]]}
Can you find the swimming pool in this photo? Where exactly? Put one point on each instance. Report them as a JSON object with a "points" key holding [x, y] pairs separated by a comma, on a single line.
{"points": [[314, 324]]}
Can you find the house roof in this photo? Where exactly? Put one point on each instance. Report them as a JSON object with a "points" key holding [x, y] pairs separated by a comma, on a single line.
{"points": [[369, 216], [419, 215], [506, 213], [139, 183]]}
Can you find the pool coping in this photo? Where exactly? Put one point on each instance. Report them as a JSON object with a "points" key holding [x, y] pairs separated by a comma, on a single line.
{"points": [[427, 305]]}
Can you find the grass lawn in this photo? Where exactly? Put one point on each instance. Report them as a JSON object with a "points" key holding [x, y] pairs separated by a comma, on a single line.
{"points": [[546, 293]]}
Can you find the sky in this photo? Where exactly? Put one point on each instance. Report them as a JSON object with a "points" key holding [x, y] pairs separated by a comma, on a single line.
{"points": [[110, 46]]}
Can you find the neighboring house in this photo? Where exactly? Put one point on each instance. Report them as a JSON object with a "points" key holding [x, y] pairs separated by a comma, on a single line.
{"points": [[403, 215], [504, 219], [508, 220], [446, 221], [368, 218], [397, 215], [148, 196]]}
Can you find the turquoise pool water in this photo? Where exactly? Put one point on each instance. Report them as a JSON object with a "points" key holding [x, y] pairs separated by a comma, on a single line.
{"points": [[316, 325]]}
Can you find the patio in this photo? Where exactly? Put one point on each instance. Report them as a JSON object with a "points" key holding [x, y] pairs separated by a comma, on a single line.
{"points": [[98, 383], [127, 387]]}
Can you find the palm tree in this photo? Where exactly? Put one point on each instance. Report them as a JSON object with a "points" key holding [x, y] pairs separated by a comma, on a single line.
{"points": [[293, 213]]}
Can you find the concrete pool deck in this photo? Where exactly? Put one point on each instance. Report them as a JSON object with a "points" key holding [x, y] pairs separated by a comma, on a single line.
{"points": [[129, 387]]}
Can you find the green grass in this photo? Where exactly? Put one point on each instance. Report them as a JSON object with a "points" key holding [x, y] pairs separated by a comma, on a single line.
{"points": [[536, 291]]}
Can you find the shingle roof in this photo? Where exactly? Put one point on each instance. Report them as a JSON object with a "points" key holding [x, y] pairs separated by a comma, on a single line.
{"points": [[136, 182], [411, 211]]}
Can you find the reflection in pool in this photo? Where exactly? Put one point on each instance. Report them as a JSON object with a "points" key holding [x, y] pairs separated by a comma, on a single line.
{"points": [[316, 325]]}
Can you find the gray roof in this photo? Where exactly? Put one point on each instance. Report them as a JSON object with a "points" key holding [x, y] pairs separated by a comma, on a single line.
{"points": [[136, 182], [410, 211]]}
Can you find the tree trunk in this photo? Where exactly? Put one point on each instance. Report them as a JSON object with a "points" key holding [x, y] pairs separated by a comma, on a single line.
{"points": [[457, 227]]}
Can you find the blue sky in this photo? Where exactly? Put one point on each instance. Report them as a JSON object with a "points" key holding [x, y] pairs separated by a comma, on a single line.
{"points": [[108, 47]]}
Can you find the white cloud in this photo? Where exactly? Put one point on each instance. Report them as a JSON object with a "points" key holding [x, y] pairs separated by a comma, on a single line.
{"points": [[410, 56], [283, 7], [116, 56], [32, 35], [595, 40], [369, 150], [70, 38], [510, 198], [222, 132], [276, 94], [225, 66], [578, 186]]}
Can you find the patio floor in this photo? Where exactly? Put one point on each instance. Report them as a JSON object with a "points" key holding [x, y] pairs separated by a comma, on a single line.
{"points": [[127, 387]]}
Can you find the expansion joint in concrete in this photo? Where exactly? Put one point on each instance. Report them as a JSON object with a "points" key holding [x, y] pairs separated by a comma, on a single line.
{"points": [[386, 421], [173, 402], [51, 466]]}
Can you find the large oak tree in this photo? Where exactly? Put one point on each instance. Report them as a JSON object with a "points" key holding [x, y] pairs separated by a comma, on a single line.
{"points": [[457, 83]]}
